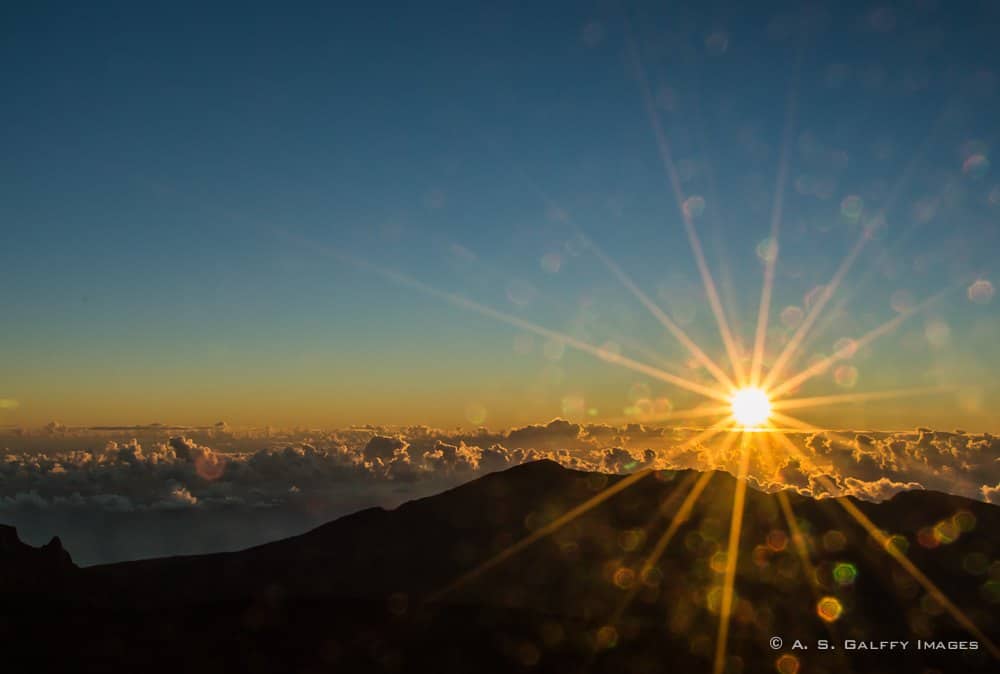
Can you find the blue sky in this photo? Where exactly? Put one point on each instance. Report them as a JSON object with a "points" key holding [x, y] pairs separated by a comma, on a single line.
{"points": [[174, 179]]}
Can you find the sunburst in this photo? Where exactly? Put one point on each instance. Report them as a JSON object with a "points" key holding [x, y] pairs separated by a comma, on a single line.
{"points": [[749, 404], [751, 401], [751, 407]]}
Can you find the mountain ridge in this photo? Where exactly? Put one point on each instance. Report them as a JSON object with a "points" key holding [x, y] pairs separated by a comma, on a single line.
{"points": [[373, 572]]}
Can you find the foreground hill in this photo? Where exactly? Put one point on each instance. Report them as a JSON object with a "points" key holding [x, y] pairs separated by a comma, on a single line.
{"points": [[364, 593]]}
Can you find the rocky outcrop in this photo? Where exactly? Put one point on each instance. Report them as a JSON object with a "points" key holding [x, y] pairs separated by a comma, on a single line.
{"points": [[25, 568]]}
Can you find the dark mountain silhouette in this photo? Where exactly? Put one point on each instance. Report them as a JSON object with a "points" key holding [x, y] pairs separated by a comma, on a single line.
{"points": [[24, 568], [363, 593]]}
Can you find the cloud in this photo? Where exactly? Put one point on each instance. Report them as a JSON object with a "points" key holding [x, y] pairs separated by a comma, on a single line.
{"points": [[301, 478], [177, 497], [991, 494], [382, 448], [557, 434], [878, 490], [619, 460], [180, 471]]}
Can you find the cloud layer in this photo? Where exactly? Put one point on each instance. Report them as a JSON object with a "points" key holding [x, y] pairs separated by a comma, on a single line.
{"points": [[300, 478]]}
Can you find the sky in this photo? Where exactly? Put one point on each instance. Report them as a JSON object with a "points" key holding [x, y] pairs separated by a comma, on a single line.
{"points": [[263, 215]]}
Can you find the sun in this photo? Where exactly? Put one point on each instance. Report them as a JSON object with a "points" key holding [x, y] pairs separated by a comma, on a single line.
{"points": [[751, 406]]}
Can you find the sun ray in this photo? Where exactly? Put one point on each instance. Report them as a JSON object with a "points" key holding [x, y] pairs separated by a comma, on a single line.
{"points": [[824, 296], [677, 521], [694, 413], [771, 260], [714, 217], [542, 532], [667, 505], [679, 518], [839, 399], [637, 292], [956, 613], [765, 452], [823, 364], [732, 556], [890, 202], [865, 235], [799, 426], [885, 544], [568, 517], [630, 285], [683, 513], [798, 541], [649, 353], [674, 179], [659, 314], [528, 326], [799, 544]]}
